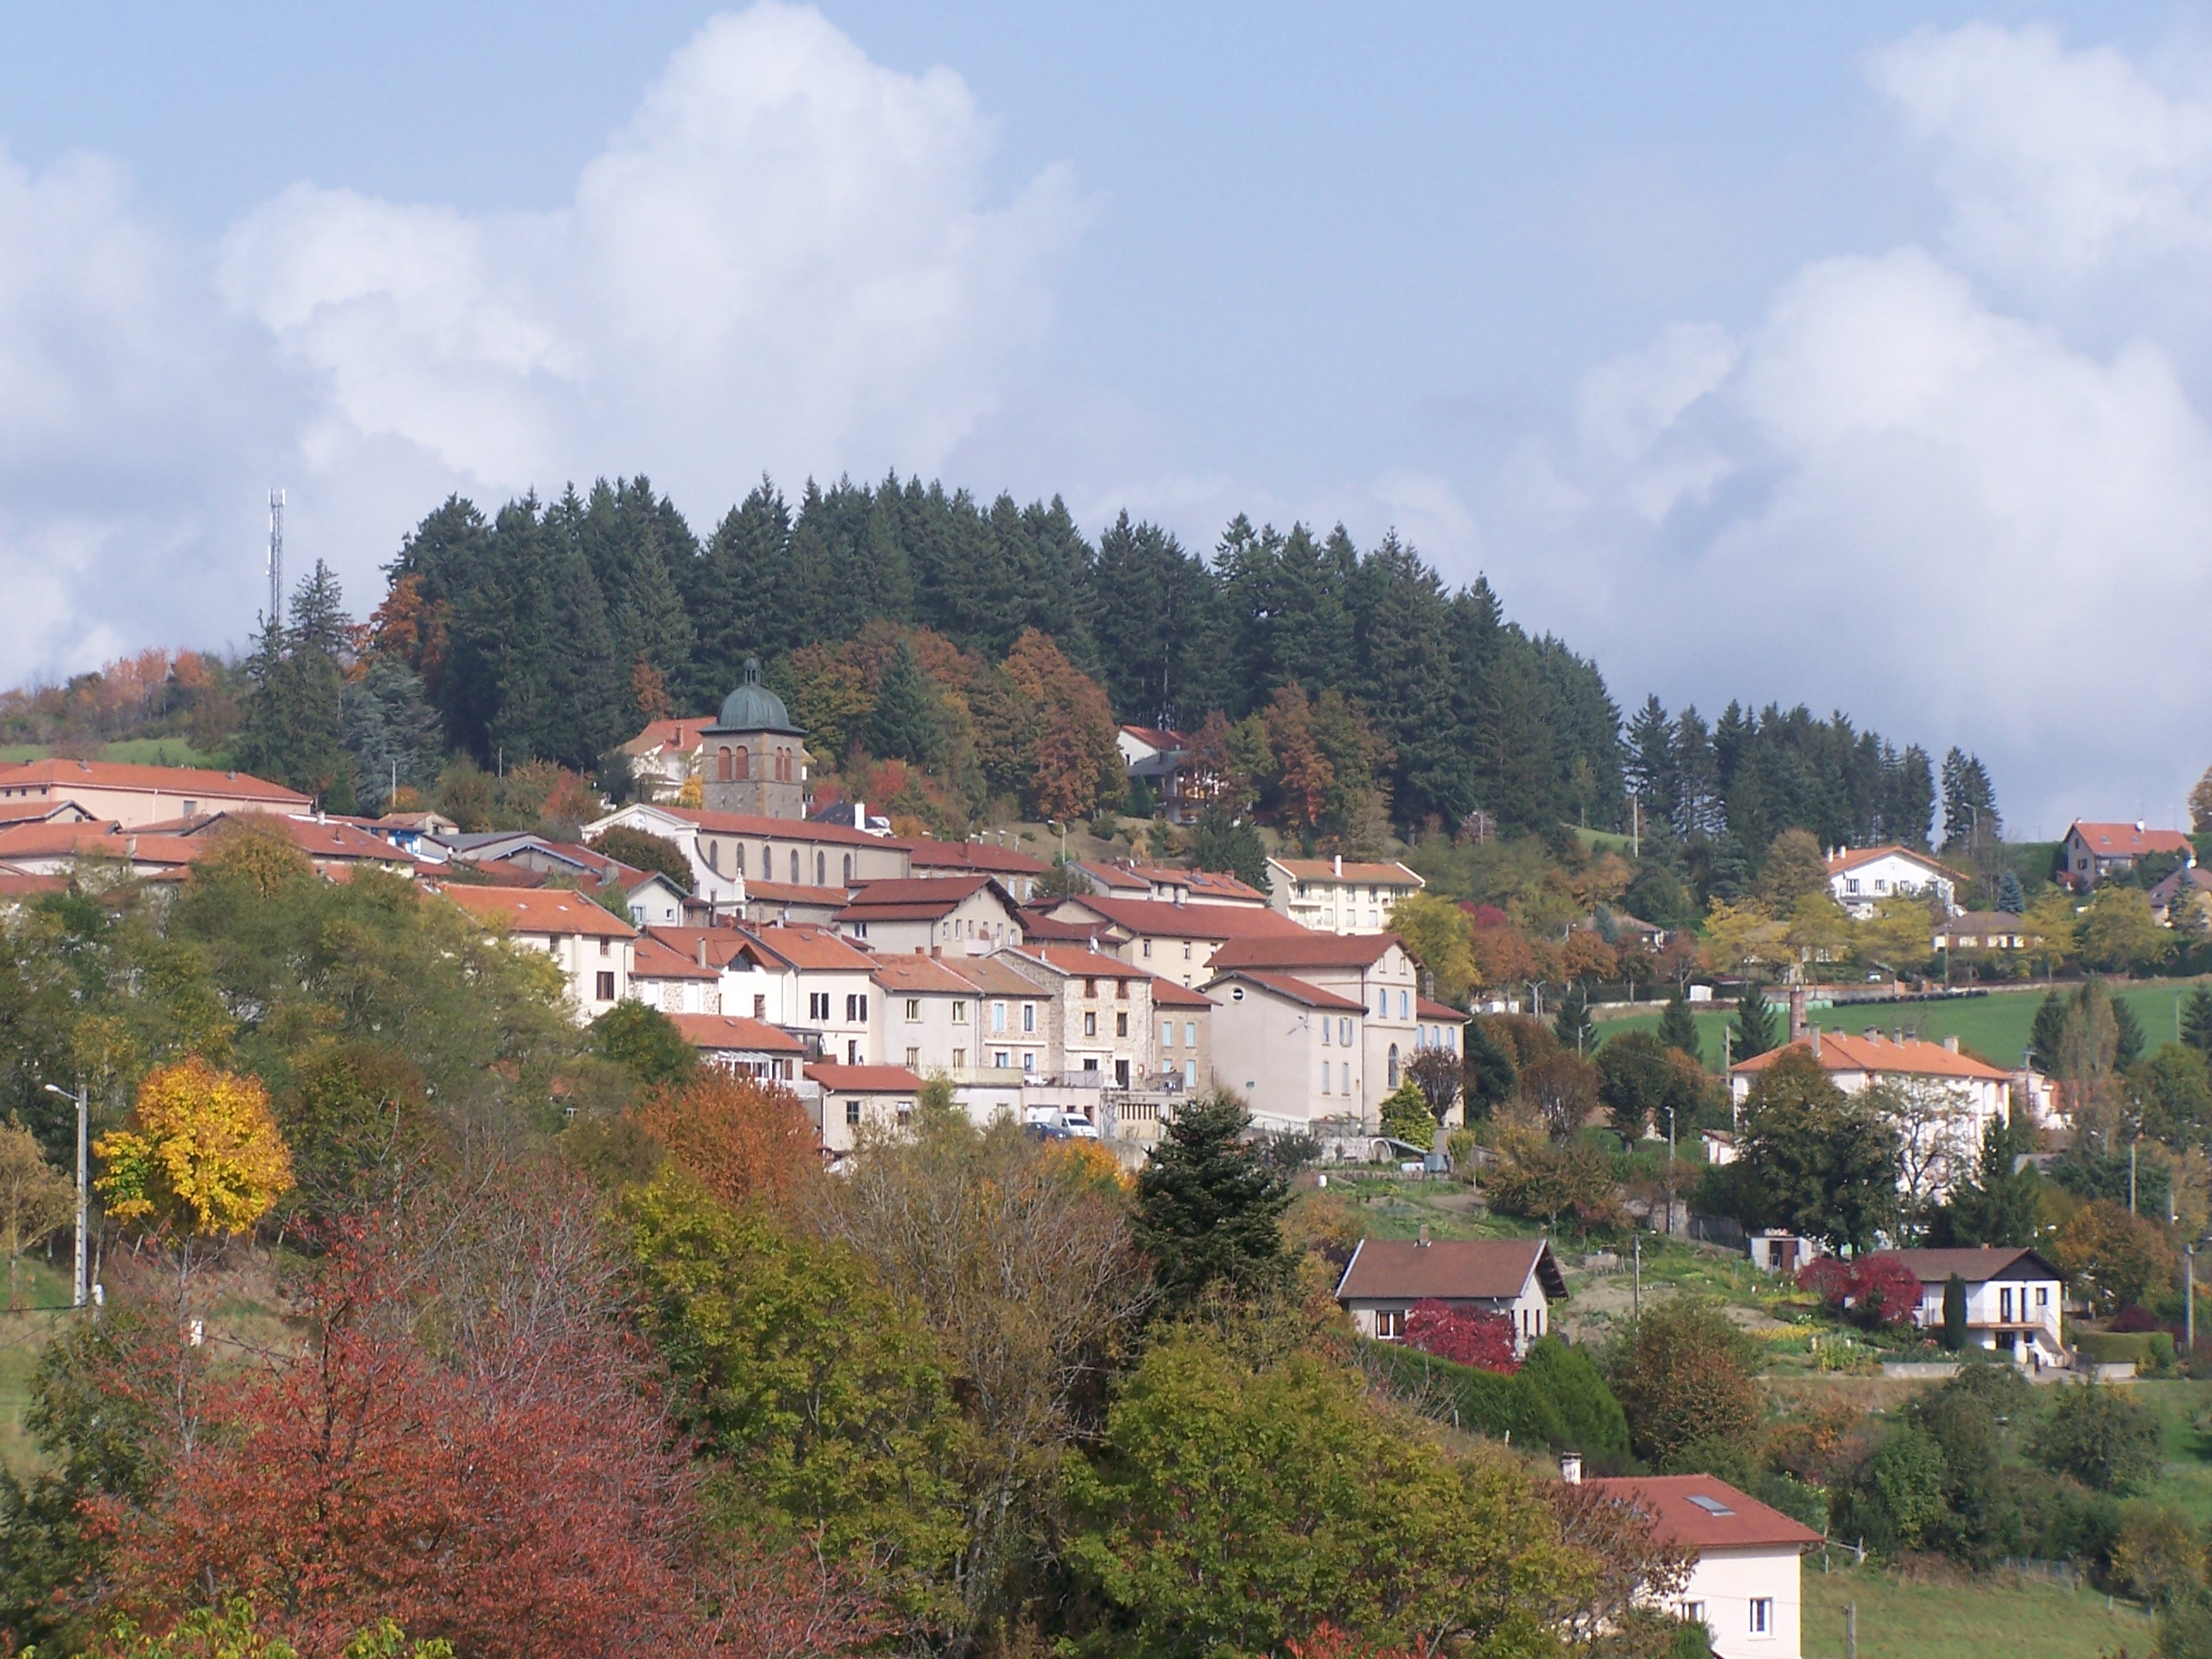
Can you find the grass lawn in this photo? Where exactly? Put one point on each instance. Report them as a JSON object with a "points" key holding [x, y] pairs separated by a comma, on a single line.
{"points": [[23, 1336], [143, 751], [1963, 1617], [1996, 1026]]}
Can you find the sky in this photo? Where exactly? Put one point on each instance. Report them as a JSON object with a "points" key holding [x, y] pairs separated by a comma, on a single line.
{"points": [[1855, 356]]}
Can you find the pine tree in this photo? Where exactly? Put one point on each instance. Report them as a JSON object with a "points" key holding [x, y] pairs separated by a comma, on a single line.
{"points": [[392, 734], [1489, 1069], [1515, 764], [1727, 873], [292, 729], [1209, 1208], [2046, 1038], [2128, 1032], [2197, 1021], [2012, 899], [1970, 805], [1754, 1024], [1231, 846], [908, 722], [1573, 1026], [1678, 1027], [1652, 771]]}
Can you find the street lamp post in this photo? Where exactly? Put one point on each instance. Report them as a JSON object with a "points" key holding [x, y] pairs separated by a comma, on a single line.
{"points": [[77, 1291]]}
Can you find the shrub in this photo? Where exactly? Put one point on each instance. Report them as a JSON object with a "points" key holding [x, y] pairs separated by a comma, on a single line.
{"points": [[1875, 1292], [1465, 1336], [2099, 1436], [2158, 1555], [1493, 1403], [1896, 1496], [1589, 1416], [1685, 1374], [2134, 1317]]}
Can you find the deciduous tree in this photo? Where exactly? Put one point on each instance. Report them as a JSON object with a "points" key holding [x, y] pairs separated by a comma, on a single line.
{"points": [[36, 1198], [1685, 1374]]}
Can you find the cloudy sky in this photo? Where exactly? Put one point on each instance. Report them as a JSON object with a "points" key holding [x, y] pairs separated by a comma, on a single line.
{"points": [[1860, 360]]}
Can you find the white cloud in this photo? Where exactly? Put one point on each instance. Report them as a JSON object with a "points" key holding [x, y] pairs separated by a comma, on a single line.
{"points": [[788, 260]]}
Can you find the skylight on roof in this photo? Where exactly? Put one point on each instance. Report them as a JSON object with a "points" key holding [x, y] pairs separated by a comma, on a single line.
{"points": [[1711, 1505]]}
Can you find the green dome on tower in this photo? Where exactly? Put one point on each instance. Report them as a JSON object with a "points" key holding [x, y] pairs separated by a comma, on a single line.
{"points": [[753, 707]]}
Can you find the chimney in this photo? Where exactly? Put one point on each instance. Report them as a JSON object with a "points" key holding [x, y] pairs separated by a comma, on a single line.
{"points": [[1816, 1043], [1950, 1045], [1570, 1468], [1796, 1012], [1422, 1242], [2139, 826], [703, 950], [1339, 867], [936, 951]]}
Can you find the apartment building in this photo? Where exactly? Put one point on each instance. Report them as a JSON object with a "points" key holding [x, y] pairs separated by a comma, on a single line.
{"points": [[1338, 894], [593, 948]]}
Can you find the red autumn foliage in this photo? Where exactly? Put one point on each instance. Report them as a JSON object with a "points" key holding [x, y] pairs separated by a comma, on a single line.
{"points": [[1873, 1290], [1327, 1640], [1465, 1336], [746, 1140]]}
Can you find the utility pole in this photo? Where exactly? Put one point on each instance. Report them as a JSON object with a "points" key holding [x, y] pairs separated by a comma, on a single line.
{"points": [[2189, 1297], [276, 556], [1635, 1284], [81, 1099], [2132, 1145], [1850, 1630]]}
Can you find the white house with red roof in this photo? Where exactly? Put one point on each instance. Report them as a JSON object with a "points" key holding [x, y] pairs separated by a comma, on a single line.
{"points": [[1177, 941], [594, 948], [854, 1098], [1338, 895], [745, 1047], [1746, 1584], [1386, 1278], [1161, 758], [673, 981], [1951, 1095], [134, 795], [1295, 1051], [1166, 884], [1861, 877], [1372, 971], [2092, 851], [664, 754], [955, 915], [2014, 1298]]}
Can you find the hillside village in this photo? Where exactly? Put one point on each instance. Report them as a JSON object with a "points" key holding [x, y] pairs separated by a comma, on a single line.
{"points": [[1617, 1171]]}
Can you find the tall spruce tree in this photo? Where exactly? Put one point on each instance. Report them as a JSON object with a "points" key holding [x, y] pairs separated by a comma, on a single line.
{"points": [[1678, 1027], [292, 729], [391, 732], [1754, 1024], [2012, 898], [2128, 1043], [2197, 1021], [1970, 802], [908, 722], [1209, 1208], [2046, 1037]]}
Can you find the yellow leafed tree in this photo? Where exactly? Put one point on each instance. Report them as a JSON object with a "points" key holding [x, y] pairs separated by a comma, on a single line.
{"points": [[202, 1154]]}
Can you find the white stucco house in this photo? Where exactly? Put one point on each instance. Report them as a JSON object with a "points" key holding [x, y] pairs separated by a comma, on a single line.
{"points": [[1861, 877], [2014, 1298], [1386, 1277], [1746, 1585]]}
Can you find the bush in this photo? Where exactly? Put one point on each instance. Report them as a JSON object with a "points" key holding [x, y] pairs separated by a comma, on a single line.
{"points": [[2134, 1317], [2158, 1557], [1685, 1374], [2099, 1436], [2147, 1351], [1465, 1336], [1590, 1417], [1875, 1292], [1896, 1496], [1518, 1405]]}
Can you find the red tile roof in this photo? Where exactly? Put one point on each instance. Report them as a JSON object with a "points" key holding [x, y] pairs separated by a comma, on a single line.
{"points": [[1073, 959], [14, 883], [746, 823], [1302, 948], [1724, 1519], [722, 943], [98, 840], [2112, 841], [1879, 1055], [1487, 1269], [58, 776], [987, 857], [784, 892], [1429, 1008], [1162, 919], [540, 910], [1038, 925], [656, 960], [1285, 985], [812, 948], [680, 736], [917, 898], [865, 1079], [1166, 993], [922, 974], [1156, 737], [734, 1034]]}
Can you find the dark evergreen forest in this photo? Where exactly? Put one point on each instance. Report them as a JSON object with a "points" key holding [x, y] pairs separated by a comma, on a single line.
{"points": [[553, 630]]}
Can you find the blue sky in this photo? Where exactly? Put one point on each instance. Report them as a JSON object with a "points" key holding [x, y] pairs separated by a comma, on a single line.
{"points": [[1849, 355]]}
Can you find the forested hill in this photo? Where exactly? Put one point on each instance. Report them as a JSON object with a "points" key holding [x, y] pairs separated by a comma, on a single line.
{"points": [[552, 628]]}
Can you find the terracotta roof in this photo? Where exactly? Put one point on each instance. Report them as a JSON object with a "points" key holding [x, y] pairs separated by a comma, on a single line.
{"points": [[1850, 858], [1036, 926], [1158, 737], [1162, 919], [1166, 993], [2106, 841], [1990, 921], [919, 974], [37, 810], [865, 1079], [812, 948], [1391, 874], [1977, 1265], [681, 736], [722, 943], [1301, 948], [1115, 876], [195, 782], [745, 824], [987, 857], [15, 883], [656, 960], [540, 910], [733, 1033], [1490, 1269], [327, 838], [1703, 1513], [784, 892], [109, 841], [1081, 964], [917, 898], [1284, 985], [1429, 1008], [1840, 1052], [994, 976]]}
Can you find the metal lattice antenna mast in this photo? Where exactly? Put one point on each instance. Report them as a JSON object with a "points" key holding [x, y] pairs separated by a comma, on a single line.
{"points": [[276, 555]]}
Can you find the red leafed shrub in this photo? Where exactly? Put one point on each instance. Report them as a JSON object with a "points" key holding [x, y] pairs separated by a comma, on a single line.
{"points": [[1873, 1290], [1327, 1640], [1467, 1336], [2135, 1317]]}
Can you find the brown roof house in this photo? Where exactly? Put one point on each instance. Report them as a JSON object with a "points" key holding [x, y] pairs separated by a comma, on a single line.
{"points": [[2013, 1298], [2093, 851], [1518, 1277], [1745, 1583]]}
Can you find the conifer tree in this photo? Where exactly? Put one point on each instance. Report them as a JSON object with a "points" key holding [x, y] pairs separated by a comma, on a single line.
{"points": [[2128, 1036], [1678, 1027], [2197, 1021], [1490, 1071], [1572, 1024], [2046, 1038], [1754, 1024], [392, 733], [1209, 1208], [2012, 898], [908, 724]]}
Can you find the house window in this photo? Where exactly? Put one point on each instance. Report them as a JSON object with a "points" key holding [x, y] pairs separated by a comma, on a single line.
{"points": [[959, 1013], [1148, 948], [852, 1112], [818, 1004], [724, 772], [1347, 1077], [853, 1051], [1090, 989], [821, 869], [914, 1011], [856, 1007], [606, 947], [794, 867], [1405, 1005], [913, 1060], [959, 1059], [1186, 950], [760, 1007], [1693, 1613], [606, 988], [1391, 1323], [2004, 1305], [1028, 1061], [1190, 1074], [998, 1015], [1122, 989], [1167, 1034], [2043, 1295], [1394, 1065], [999, 1058], [1344, 1031], [1190, 1034], [1029, 1017], [1762, 1615], [1120, 1025], [848, 869], [1325, 1025], [1090, 1024], [1381, 1004]]}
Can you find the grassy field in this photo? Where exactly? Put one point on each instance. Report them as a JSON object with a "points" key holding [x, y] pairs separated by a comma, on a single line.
{"points": [[1996, 1026], [22, 1337], [1963, 1617], [143, 751]]}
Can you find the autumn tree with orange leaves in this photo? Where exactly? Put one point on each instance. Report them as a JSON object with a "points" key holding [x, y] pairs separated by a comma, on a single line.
{"points": [[743, 1140]]}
